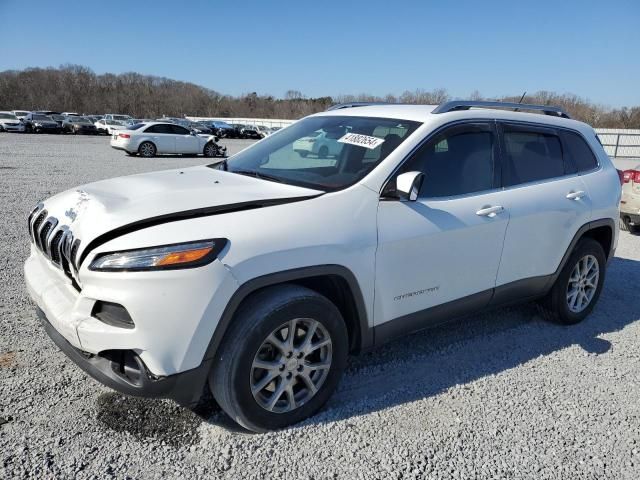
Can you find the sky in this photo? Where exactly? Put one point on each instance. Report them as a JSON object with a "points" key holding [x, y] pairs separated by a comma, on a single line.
{"points": [[588, 48]]}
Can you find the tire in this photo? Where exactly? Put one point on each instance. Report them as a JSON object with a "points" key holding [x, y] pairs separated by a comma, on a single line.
{"points": [[147, 150], [323, 152], [132, 154], [210, 150], [303, 153], [559, 306], [264, 315]]}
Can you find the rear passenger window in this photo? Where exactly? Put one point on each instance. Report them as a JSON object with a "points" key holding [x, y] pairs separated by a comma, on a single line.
{"points": [[458, 161], [531, 156], [579, 152], [177, 129]]}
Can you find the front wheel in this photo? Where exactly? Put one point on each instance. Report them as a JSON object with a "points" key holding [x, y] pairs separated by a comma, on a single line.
{"points": [[577, 288], [281, 358], [147, 150], [210, 150]]}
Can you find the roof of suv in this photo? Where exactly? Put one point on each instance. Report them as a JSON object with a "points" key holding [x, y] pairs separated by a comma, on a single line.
{"points": [[425, 113]]}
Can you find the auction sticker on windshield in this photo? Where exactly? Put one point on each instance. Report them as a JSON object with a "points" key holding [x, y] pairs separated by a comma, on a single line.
{"points": [[361, 140]]}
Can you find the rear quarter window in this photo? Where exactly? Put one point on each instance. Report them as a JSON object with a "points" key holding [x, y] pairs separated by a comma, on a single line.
{"points": [[579, 152]]}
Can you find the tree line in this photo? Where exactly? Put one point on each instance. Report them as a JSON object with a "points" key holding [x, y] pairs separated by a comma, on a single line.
{"points": [[77, 88]]}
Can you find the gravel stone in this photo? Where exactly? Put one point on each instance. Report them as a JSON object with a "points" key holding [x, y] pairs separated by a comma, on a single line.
{"points": [[502, 394]]}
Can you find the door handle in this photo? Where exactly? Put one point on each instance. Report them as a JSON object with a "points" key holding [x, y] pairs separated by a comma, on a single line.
{"points": [[575, 195], [490, 211]]}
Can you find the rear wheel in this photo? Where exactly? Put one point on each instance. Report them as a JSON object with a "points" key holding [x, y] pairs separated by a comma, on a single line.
{"points": [[281, 358], [323, 152], [577, 288], [147, 150]]}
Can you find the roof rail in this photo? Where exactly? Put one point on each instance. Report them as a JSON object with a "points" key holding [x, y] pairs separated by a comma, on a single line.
{"points": [[466, 105], [339, 106]]}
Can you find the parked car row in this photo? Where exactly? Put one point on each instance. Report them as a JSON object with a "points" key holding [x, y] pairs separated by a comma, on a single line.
{"points": [[73, 122]]}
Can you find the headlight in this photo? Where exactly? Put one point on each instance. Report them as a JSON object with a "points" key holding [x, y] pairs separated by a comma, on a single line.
{"points": [[165, 257]]}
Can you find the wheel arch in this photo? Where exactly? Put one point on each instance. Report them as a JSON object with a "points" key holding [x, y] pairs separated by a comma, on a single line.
{"points": [[601, 230], [146, 140], [335, 282]]}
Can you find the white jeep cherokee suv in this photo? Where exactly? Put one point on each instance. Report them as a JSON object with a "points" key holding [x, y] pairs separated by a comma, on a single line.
{"points": [[258, 275]]}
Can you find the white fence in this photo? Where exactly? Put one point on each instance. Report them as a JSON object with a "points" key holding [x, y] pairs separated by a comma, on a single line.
{"points": [[620, 143], [266, 122]]}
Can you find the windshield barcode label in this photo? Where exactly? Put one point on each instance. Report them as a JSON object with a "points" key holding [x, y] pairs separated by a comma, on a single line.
{"points": [[361, 140]]}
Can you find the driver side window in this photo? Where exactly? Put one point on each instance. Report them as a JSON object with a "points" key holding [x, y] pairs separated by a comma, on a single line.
{"points": [[458, 161]]}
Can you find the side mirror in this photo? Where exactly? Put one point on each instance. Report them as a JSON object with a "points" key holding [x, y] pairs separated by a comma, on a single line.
{"points": [[216, 139], [408, 185]]}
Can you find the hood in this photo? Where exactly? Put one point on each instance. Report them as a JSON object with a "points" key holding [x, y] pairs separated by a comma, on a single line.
{"points": [[117, 206]]}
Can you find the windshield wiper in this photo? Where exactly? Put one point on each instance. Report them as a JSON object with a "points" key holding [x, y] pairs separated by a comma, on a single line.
{"points": [[253, 173]]}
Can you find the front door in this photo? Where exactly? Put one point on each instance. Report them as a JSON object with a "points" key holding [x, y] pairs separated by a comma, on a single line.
{"points": [[185, 141], [446, 246]]}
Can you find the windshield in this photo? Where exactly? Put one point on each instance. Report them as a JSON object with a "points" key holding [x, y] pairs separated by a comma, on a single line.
{"points": [[41, 117], [57, 117], [135, 126], [113, 122], [22, 113], [80, 120], [8, 116], [325, 153], [120, 117]]}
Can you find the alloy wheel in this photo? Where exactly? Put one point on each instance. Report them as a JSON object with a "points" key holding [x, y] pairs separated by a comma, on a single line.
{"points": [[583, 283], [291, 365]]}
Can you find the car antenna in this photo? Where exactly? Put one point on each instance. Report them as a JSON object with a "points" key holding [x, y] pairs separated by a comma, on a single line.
{"points": [[520, 101]]}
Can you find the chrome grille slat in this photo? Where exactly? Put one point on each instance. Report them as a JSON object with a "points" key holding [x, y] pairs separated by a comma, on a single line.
{"points": [[35, 226], [41, 234], [54, 246], [46, 241]]}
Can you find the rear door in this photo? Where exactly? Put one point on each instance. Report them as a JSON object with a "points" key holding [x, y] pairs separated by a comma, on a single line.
{"points": [[547, 201], [185, 142]]}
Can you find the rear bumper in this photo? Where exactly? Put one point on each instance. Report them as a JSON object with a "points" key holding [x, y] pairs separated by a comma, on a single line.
{"points": [[125, 372], [634, 218]]}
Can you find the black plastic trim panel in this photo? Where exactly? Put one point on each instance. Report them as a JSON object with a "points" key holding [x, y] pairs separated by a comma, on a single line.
{"points": [[185, 388], [366, 332]]}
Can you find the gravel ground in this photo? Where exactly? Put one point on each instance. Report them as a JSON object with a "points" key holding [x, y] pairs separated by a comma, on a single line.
{"points": [[498, 395]]}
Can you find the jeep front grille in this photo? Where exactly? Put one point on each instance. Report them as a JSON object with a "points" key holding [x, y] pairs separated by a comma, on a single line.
{"points": [[56, 242]]}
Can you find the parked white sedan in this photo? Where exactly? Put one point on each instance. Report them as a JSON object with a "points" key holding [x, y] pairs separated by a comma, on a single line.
{"points": [[10, 123], [150, 139], [108, 127]]}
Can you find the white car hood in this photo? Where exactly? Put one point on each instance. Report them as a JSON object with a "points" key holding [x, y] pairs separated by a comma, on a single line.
{"points": [[96, 209]]}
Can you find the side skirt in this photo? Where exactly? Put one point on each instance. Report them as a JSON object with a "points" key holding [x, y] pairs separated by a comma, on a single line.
{"points": [[521, 291]]}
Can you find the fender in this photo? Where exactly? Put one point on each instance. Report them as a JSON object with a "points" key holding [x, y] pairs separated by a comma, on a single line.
{"points": [[251, 286]]}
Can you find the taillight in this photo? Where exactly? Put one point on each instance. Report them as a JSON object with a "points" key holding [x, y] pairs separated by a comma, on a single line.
{"points": [[124, 135], [636, 176], [626, 176], [621, 176]]}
